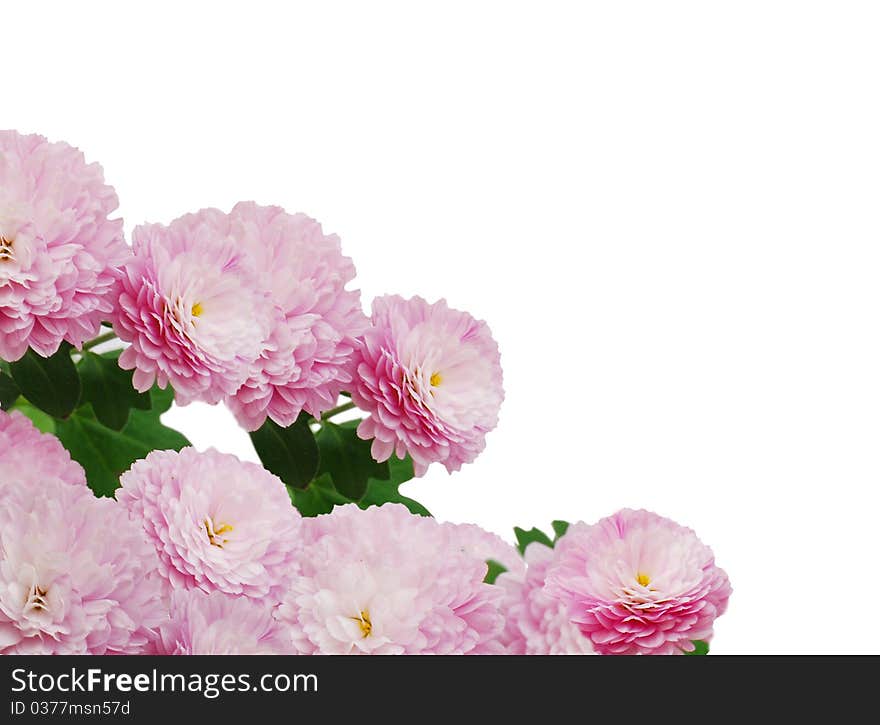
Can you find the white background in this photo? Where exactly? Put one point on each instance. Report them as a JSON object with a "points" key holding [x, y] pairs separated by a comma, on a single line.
{"points": [[668, 213]]}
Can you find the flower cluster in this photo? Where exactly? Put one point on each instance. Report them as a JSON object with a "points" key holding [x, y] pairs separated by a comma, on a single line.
{"points": [[249, 307], [188, 552], [202, 554]]}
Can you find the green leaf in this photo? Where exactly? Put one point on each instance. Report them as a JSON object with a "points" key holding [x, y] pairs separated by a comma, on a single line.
{"points": [[110, 391], [9, 391], [347, 459], [105, 454], [319, 497], [381, 492], [49, 383], [161, 400], [700, 648], [43, 423], [145, 426], [290, 453], [559, 528], [524, 538], [495, 569], [401, 469]]}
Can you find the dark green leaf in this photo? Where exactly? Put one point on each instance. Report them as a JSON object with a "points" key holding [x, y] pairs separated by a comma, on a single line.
{"points": [[319, 497], [105, 453], [290, 453], [380, 492], [559, 528], [145, 426], [109, 390], [161, 400], [524, 538], [495, 569], [347, 459], [42, 422], [401, 469], [49, 383], [9, 391], [700, 648]]}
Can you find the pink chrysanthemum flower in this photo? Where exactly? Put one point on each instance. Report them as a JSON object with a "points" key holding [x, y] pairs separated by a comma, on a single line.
{"points": [[23, 447], [220, 624], [193, 306], [536, 623], [66, 587], [383, 581], [217, 523], [431, 379], [481, 544], [59, 251], [637, 583], [307, 359], [250, 307]]}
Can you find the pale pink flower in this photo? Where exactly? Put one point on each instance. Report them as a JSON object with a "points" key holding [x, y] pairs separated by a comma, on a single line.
{"points": [[538, 624], [484, 545], [306, 360], [193, 306], [25, 449], [77, 576], [431, 379], [220, 624], [384, 581], [59, 251], [637, 583], [217, 523]]}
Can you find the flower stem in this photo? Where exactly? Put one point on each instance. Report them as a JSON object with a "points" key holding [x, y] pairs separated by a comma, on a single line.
{"points": [[99, 340], [328, 414]]}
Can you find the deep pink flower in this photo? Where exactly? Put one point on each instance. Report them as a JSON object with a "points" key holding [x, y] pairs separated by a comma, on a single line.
{"points": [[193, 306], [220, 624], [77, 576], [217, 523], [306, 361], [637, 583], [24, 449], [431, 379], [59, 251], [538, 624], [383, 581]]}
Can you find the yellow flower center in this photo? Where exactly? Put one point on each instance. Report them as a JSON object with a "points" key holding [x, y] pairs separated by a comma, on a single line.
{"points": [[37, 598], [436, 379], [363, 619], [643, 579], [215, 533], [197, 309], [6, 251]]}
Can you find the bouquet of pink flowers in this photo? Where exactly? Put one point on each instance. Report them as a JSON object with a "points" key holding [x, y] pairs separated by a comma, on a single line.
{"points": [[118, 537]]}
